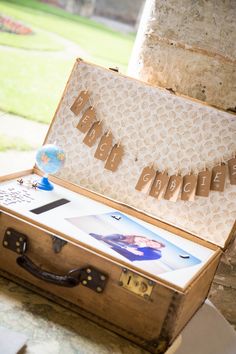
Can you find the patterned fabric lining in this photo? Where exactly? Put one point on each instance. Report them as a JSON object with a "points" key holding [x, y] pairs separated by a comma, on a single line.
{"points": [[152, 125]]}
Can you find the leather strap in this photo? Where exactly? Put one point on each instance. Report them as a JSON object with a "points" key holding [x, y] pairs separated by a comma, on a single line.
{"points": [[71, 279]]}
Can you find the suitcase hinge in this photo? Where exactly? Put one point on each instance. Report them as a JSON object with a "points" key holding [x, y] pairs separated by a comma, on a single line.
{"points": [[57, 244], [116, 69]]}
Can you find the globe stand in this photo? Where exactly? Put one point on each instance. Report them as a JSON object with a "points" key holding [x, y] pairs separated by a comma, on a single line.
{"points": [[44, 184], [49, 159]]}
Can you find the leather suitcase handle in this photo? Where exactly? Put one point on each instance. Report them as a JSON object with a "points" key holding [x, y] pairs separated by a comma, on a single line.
{"points": [[71, 279]]}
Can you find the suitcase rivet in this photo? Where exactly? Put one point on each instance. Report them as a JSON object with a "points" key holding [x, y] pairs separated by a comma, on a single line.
{"points": [[102, 277], [89, 277], [18, 250], [124, 270], [5, 243], [17, 243], [150, 282], [99, 289], [84, 282], [21, 239], [88, 270], [120, 283], [8, 233]]}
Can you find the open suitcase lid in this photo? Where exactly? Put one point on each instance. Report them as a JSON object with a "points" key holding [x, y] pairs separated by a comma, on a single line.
{"points": [[153, 126]]}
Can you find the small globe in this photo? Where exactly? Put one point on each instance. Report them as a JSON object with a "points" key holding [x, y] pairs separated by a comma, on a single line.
{"points": [[50, 158]]}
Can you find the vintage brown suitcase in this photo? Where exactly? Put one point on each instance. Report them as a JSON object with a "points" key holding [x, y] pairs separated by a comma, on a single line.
{"points": [[132, 233]]}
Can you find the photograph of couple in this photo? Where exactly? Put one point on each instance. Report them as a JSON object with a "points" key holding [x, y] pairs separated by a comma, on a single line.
{"points": [[123, 237], [132, 247]]}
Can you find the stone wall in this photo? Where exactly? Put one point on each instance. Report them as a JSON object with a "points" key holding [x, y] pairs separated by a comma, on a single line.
{"points": [[190, 48], [80, 7], [126, 11]]}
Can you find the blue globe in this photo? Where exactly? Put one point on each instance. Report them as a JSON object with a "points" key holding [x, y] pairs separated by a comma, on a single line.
{"points": [[50, 158]]}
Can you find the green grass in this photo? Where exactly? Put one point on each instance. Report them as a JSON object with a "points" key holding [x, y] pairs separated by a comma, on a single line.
{"points": [[8, 143], [31, 85], [103, 44], [32, 82], [39, 40]]}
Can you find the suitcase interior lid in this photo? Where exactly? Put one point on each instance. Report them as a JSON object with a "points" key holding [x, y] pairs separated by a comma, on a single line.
{"points": [[174, 133]]}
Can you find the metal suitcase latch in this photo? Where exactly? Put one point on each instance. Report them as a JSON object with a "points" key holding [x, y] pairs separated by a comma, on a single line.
{"points": [[116, 69], [136, 283], [15, 241]]}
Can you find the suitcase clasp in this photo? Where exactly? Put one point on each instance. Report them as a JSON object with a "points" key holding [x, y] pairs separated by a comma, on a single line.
{"points": [[136, 283]]}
